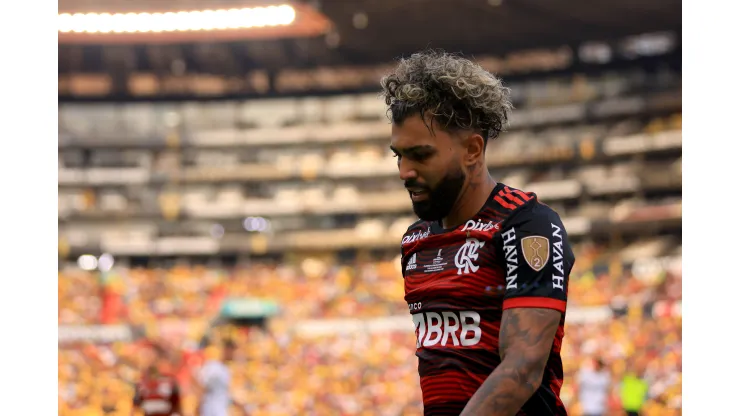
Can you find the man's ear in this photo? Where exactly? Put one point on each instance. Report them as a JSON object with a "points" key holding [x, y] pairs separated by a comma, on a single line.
{"points": [[475, 148]]}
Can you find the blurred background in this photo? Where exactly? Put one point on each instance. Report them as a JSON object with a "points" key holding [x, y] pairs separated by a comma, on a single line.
{"points": [[224, 173]]}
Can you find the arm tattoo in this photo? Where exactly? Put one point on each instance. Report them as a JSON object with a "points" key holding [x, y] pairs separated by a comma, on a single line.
{"points": [[525, 341]]}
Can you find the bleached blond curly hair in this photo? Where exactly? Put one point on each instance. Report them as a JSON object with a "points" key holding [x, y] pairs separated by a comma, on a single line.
{"points": [[456, 92]]}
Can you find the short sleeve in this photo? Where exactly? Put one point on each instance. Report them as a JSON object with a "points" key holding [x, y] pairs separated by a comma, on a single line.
{"points": [[537, 259]]}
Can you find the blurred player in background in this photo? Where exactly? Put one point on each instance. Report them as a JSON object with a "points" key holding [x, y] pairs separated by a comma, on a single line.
{"points": [[158, 393], [214, 381], [593, 389], [634, 389], [486, 266]]}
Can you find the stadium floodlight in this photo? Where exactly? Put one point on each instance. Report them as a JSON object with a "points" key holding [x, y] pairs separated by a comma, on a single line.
{"points": [[183, 21]]}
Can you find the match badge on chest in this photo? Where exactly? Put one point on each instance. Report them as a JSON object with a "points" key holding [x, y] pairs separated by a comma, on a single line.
{"points": [[536, 251]]}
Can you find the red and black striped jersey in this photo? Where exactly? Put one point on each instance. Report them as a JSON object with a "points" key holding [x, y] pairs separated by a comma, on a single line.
{"points": [[513, 254], [158, 396]]}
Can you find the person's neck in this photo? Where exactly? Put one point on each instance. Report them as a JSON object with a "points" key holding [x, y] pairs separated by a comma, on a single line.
{"points": [[472, 199]]}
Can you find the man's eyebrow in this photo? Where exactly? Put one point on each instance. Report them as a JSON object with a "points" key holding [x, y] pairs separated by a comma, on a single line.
{"points": [[413, 149]]}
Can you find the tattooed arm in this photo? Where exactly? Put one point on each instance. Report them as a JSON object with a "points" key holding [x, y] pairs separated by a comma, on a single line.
{"points": [[526, 338]]}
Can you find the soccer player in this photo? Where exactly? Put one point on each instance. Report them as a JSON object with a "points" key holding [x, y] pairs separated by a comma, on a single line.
{"points": [[486, 265], [215, 380], [158, 394], [593, 389]]}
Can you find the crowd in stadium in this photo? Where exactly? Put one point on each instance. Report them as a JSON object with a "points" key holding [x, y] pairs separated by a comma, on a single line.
{"points": [[278, 371]]}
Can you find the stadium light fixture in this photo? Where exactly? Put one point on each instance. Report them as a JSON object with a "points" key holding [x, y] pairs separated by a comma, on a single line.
{"points": [[184, 21], [148, 25]]}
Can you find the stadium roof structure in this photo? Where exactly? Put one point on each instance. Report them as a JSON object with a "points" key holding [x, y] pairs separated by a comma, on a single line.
{"points": [[371, 32], [376, 31], [492, 26]]}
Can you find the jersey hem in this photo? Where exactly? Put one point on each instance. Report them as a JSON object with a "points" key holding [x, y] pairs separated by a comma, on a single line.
{"points": [[535, 302]]}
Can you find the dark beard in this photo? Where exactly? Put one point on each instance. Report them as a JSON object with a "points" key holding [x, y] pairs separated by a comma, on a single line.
{"points": [[442, 198]]}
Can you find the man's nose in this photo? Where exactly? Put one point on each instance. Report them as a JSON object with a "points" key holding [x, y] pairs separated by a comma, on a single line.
{"points": [[406, 170]]}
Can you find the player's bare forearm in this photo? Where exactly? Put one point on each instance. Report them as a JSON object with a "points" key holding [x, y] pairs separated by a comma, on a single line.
{"points": [[526, 338]]}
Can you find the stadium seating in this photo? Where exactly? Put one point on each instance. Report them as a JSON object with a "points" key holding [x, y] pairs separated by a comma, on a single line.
{"points": [[279, 371]]}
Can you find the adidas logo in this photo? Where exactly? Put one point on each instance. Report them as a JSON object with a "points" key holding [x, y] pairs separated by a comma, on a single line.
{"points": [[411, 265]]}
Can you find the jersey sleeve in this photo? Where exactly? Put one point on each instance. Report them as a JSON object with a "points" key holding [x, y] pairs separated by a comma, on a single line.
{"points": [[537, 258]]}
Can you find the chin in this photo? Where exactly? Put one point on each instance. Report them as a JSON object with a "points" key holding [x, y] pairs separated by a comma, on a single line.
{"points": [[425, 213]]}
